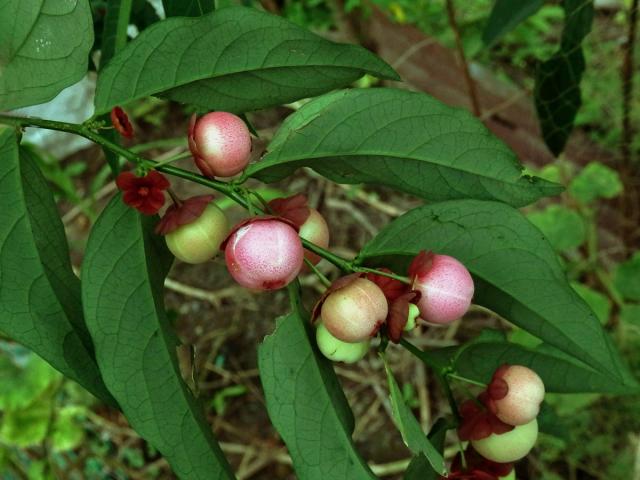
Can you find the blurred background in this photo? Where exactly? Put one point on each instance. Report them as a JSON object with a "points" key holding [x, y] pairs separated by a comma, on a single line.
{"points": [[51, 428]]}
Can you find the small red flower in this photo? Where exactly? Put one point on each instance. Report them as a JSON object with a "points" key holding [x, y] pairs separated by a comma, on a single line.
{"points": [[121, 122], [145, 194]]}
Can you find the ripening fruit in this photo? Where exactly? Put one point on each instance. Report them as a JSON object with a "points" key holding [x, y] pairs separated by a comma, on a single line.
{"points": [[315, 230], [525, 392], [446, 290], [337, 350], [220, 143], [264, 253], [200, 240], [355, 312], [510, 446]]}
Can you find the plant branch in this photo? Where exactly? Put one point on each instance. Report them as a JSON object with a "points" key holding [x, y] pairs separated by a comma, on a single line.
{"points": [[471, 86], [230, 189]]}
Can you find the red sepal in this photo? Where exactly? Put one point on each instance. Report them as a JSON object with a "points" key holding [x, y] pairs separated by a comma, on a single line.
{"points": [[178, 215], [399, 314], [295, 208], [421, 264], [392, 288], [120, 121], [478, 467], [478, 422]]}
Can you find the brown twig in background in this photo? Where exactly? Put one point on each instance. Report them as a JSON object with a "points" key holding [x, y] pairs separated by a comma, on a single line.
{"points": [[627, 83], [473, 95]]}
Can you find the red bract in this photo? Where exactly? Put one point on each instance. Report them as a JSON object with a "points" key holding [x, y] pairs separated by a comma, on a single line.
{"points": [[294, 208], [121, 122], [399, 296], [391, 287], [145, 194], [183, 214], [399, 315], [311, 224], [477, 422], [478, 467]]}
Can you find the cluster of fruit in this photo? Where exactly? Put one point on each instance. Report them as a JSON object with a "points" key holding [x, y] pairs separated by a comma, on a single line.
{"points": [[501, 424], [266, 253]]}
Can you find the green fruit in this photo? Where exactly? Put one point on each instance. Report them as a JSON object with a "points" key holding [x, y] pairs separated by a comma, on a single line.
{"points": [[510, 446], [414, 314], [511, 476], [200, 240], [337, 350]]}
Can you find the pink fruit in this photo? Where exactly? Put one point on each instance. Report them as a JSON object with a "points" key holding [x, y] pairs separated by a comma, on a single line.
{"points": [[220, 143], [315, 230], [312, 225], [515, 394], [354, 312], [263, 253], [445, 286]]}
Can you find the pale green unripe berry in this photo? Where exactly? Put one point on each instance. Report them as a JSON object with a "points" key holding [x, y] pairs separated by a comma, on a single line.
{"points": [[511, 476], [337, 350], [414, 314], [510, 446], [200, 240]]}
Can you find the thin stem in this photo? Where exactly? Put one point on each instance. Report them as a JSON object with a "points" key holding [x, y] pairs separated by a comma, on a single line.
{"points": [[324, 280], [473, 95], [465, 379], [382, 273], [174, 158]]}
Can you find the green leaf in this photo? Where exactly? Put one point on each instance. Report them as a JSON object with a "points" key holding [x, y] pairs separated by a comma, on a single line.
{"points": [[306, 403], [515, 270], [412, 434], [599, 303], [122, 280], [506, 15], [626, 278], [551, 423], [557, 89], [187, 8], [560, 373], [404, 140], [39, 294], [563, 227], [235, 59], [44, 48], [595, 181], [419, 468]]}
